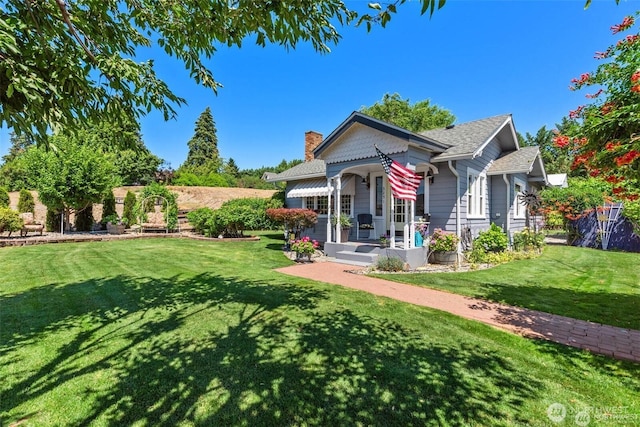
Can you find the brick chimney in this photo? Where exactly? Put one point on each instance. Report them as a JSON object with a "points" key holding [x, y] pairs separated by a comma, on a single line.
{"points": [[311, 141]]}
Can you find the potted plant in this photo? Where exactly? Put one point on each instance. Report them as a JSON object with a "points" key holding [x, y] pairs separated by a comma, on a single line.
{"points": [[444, 246], [304, 246], [384, 240], [115, 224], [345, 225]]}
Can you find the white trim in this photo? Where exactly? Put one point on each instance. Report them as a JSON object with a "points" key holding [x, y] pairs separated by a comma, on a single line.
{"points": [[477, 193], [519, 209]]}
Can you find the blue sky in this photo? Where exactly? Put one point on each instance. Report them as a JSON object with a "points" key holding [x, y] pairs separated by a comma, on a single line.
{"points": [[475, 58]]}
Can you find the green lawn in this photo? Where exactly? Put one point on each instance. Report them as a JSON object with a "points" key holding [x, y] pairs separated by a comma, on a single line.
{"points": [[588, 284], [166, 332]]}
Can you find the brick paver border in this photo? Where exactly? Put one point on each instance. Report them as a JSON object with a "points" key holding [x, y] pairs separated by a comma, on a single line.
{"points": [[612, 341]]}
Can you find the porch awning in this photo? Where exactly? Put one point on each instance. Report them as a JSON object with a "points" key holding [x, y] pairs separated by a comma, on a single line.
{"points": [[318, 187]]}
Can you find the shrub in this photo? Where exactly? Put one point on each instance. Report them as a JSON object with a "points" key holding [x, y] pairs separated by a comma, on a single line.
{"points": [[390, 264], [492, 240], [480, 256], [84, 219], [26, 202], [528, 239], [4, 198], [203, 221], [9, 220], [631, 211], [443, 241], [293, 220], [128, 212], [108, 205]]}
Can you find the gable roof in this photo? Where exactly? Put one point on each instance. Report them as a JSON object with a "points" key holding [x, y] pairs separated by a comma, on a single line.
{"points": [[466, 140], [388, 128], [311, 169], [525, 160]]}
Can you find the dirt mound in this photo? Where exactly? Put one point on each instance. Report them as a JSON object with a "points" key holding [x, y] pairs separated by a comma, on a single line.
{"points": [[188, 198]]}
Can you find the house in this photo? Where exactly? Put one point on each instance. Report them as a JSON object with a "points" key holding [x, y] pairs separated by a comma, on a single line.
{"points": [[473, 173], [558, 180]]}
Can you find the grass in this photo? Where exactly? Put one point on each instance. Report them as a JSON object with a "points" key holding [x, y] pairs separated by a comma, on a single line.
{"points": [[588, 284], [166, 332]]}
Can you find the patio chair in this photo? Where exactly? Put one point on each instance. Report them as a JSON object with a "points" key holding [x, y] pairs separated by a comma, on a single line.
{"points": [[365, 222]]}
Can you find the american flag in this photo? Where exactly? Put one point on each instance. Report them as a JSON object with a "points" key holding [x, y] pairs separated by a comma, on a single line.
{"points": [[404, 182]]}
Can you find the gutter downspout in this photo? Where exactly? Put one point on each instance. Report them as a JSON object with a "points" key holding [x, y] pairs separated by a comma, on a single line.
{"points": [[458, 228], [507, 222], [329, 190]]}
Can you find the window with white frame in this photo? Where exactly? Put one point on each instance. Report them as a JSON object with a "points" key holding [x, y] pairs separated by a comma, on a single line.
{"points": [[346, 204], [519, 209], [318, 204], [476, 194]]}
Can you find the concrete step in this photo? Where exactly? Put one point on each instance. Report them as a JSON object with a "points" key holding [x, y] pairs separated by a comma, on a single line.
{"points": [[366, 258], [350, 262]]}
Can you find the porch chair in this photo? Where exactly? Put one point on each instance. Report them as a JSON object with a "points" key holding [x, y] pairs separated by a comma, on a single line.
{"points": [[365, 222]]}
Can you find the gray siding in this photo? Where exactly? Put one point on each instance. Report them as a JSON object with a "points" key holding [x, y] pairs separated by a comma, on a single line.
{"points": [[443, 200]]}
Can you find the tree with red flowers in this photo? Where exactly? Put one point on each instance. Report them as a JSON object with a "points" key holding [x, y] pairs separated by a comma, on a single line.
{"points": [[605, 136]]}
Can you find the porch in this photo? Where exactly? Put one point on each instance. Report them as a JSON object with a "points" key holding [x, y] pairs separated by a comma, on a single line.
{"points": [[366, 252]]}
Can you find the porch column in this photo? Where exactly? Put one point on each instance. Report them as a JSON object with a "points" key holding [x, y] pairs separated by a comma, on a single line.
{"points": [[412, 224], [405, 228], [338, 212], [329, 189], [392, 223]]}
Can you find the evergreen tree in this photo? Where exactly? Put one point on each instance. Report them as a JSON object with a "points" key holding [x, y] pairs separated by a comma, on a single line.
{"points": [[203, 146], [108, 204], [128, 212], [26, 202]]}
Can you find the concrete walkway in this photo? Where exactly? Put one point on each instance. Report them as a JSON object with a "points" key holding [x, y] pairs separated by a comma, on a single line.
{"points": [[611, 341]]}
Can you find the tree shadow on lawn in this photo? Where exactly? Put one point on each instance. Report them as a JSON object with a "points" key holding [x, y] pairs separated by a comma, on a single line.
{"points": [[224, 351], [608, 308]]}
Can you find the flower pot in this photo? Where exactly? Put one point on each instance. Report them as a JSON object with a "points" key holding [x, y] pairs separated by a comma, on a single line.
{"points": [[115, 228], [448, 257], [344, 235]]}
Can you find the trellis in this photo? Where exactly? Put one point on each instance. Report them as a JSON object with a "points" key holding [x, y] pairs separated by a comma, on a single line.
{"points": [[607, 218]]}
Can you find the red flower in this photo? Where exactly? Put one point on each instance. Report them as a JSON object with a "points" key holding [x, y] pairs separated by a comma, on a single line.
{"points": [[635, 76], [594, 173], [561, 141], [613, 179], [635, 88], [601, 55], [594, 95], [606, 108], [618, 190], [611, 146], [576, 113], [627, 158], [584, 77], [626, 23]]}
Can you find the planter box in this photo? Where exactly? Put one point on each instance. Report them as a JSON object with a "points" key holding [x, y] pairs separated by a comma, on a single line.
{"points": [[115, 229], [447, 258]]}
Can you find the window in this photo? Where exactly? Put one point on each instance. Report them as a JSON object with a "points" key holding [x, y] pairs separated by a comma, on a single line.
{"points": [[518, 207], [379, 196], [318, 204], [476, 194], [346, 204]]}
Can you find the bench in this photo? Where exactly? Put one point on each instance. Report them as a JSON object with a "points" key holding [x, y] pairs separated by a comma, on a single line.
{"points": [[30, 224], [155, 221]]}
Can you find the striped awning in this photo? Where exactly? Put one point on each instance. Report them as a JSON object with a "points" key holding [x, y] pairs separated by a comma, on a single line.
{"points": [[318, 187]]}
